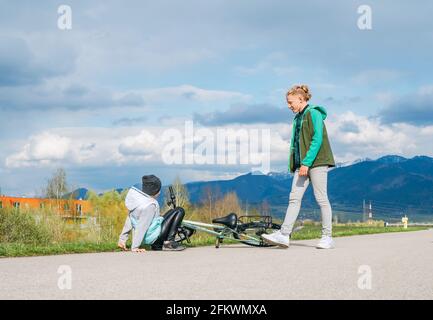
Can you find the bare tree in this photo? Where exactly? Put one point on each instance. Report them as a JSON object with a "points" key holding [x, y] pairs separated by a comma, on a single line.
{"points": [[208, 200], [216, 191], [266, 208], [227, 204], [181, 193], [57, 185]]}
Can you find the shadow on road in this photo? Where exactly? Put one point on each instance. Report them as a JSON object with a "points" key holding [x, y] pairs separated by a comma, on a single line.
{"points": [[302, 245], [235, 246]]}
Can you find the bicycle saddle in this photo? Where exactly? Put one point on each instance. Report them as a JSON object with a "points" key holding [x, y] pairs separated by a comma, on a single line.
{"points": [[229, 220]]}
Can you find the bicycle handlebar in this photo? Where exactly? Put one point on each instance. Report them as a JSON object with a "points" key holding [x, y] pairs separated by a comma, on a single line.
{"points": [[172, 201]]}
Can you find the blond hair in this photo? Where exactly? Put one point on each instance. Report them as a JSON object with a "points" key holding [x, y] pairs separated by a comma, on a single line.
{"points": [[301, 89]]}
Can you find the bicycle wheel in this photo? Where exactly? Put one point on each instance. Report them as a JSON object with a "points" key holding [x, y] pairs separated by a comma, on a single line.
{"points": [[183, 233], [250, 233]]}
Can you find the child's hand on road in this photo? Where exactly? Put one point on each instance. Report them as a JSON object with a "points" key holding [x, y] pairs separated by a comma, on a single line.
{"points": [[122, 246], [138, 250], [303, 171]]}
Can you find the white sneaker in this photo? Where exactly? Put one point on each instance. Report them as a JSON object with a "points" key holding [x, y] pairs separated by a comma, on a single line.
{"points": [[277, 238], [326, 242]]}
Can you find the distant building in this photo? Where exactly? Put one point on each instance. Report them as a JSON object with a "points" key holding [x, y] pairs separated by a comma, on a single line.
{"points": [[66, 207]]}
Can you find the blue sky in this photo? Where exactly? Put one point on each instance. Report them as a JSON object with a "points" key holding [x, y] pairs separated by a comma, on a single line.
{"points": [[89, 98]]}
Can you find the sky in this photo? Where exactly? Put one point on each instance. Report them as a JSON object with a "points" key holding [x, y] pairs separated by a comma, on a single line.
{"points": [[98, 99]]}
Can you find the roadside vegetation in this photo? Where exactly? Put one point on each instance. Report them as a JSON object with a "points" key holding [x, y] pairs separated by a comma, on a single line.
{"points": [[26, 232]]}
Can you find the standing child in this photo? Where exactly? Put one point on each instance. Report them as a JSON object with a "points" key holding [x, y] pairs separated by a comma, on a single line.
{"points": [[310, 157]]}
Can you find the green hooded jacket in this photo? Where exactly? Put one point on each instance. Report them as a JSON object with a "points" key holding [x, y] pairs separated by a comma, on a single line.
{"points": [[315, 149]]}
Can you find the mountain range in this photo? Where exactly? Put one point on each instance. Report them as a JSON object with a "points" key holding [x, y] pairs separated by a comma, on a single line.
{"points": [[393, 184]]}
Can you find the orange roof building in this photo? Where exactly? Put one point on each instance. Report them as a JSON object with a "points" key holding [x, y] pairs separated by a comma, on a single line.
{"points": [[68, 207]]}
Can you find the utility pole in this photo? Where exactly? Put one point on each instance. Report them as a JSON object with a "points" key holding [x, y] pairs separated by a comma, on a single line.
{"points": [[370, 212]]}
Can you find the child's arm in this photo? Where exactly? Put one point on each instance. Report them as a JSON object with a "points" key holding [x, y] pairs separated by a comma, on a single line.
{"points": [[144, 219], [124, 235]]}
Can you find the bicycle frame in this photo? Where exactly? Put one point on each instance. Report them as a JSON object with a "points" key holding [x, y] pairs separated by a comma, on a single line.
{"points": [[221, 231], [205, 227]]}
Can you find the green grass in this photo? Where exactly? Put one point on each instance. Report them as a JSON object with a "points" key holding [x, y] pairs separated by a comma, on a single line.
{"points": [[30, 233], [21, 250], [199, 239], [314, 231]]}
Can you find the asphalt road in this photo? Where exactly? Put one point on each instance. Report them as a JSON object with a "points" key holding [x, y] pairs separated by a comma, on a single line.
{"points": [[380, 266]]}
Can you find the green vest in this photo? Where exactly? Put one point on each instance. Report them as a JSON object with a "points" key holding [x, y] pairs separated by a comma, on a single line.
{"points": [[314, 147]]}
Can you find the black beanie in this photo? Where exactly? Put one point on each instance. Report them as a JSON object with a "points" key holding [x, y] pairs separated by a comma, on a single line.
{"points": [[151, 184]]}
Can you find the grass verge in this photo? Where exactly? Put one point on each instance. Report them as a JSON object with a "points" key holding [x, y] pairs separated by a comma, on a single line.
{"points": [[21, 249], [314, 232], [308, 232]]}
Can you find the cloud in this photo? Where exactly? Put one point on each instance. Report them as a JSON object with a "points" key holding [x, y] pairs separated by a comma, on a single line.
{"points": [[375, 76], [129, 99], [278, 63], [41, 149], [75, 96], [75, 90], [171, 62], [66, 147], [343, 100], [129, 121], [88, 147], [156, 39], [101, 147], [245, 114], [19, 65], [143, 144], [415, 109], [349, 126], [55, 95], [192, 93], [352, 136]]}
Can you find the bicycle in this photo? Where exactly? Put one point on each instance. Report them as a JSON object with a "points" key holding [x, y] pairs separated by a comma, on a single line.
{"points": [[243, 229]]}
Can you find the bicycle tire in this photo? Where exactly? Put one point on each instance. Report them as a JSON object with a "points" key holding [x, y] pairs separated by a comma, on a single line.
{"points": [[261, 228], [256, 225], [183, 233]]}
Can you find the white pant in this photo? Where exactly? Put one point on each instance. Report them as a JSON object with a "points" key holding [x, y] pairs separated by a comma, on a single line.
{"points": [[319, 177]]}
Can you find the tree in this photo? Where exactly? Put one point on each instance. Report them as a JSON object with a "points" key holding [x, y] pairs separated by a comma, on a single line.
{"points": [[207, 200], [227, 204], [181, 193], [110, 212], [254, 211], [266, 208], [56, 186]]}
